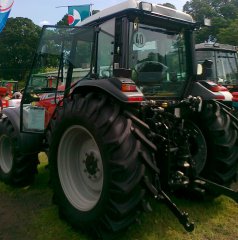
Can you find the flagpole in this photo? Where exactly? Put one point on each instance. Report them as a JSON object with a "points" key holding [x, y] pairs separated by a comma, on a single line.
{"points": [[75, 5]]}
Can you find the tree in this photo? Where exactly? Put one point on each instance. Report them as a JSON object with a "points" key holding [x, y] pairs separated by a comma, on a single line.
{"points": [[221, 12], [229, 34], [63, 21], [18, 43]]}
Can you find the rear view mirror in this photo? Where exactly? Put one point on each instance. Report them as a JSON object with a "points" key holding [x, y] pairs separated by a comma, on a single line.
{"points": [[207, 22], [199, 69]]}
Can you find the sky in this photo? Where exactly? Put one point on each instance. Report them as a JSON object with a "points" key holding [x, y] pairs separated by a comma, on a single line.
{"points": [[51, 11]]}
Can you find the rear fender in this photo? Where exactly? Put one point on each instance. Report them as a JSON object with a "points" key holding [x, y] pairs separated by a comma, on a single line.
{"points": [[113, 86], [198, 89], [28, 142]]}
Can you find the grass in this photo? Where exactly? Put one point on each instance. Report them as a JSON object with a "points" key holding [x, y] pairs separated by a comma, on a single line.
{"points": [[215, 220]]}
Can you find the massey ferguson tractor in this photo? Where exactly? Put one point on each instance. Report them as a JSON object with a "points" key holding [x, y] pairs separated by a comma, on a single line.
{"points": [[220, 65], [220, 62], [125, 118]]}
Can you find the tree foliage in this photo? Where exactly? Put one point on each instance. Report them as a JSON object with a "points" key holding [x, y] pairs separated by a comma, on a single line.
{"points": [[18, 43], [229, 34], [63, 21], [169, 5], [223, 15]]}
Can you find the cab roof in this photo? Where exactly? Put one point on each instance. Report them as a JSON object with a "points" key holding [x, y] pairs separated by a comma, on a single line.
{"points": [[216, 47], [137, 5]]}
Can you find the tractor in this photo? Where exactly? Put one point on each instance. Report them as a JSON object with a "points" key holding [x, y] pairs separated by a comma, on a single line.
{"points": [[123, 121], [223, 61], [9, 93], [220, 63]]}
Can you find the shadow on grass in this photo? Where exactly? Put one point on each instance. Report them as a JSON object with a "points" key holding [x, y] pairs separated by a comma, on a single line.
{"points": [[213, 219]]}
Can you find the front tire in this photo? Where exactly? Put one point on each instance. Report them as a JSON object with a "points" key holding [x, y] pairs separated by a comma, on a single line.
{"points": [[96, 164], [16, 169]]}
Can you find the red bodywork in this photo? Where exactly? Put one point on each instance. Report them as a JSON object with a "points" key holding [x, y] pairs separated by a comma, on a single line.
{"points": [[49, 103], [3, 102]]}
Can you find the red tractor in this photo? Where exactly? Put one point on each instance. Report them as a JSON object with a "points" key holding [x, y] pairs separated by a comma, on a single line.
{"points": [[9, 95]]}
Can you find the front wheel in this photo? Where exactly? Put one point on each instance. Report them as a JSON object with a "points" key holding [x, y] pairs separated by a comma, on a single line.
{"points": [[96, 164]]}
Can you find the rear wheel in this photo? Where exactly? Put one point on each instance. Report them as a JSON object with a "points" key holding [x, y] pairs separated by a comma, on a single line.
{"points": [[197, 147], [96, 164], [16, 169], [222, 148], [79, 155]]}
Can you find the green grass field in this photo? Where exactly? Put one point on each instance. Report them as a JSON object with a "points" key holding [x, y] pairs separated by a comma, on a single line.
{"points": [[214, 220]]}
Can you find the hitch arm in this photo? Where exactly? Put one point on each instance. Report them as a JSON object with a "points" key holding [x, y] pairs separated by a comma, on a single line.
{"points": [[180, 215], [217, 188]]}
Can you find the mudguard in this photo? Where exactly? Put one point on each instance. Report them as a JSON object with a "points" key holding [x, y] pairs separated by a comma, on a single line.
{"points": [[201, 89], [29, 142], [113, 86]]}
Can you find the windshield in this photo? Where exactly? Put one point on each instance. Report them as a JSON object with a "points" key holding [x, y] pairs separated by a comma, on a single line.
{"points": [[157, 59], [223, 66]]}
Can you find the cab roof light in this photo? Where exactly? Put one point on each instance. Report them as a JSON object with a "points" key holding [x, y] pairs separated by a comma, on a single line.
{"points": [[145, 6]]}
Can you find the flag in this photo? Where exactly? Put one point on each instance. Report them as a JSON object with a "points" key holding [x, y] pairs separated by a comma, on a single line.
{"points": [[76, 14], [5, 8]]}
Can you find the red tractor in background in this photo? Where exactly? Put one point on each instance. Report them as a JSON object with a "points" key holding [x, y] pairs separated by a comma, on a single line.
{"points": [[9, 95]]}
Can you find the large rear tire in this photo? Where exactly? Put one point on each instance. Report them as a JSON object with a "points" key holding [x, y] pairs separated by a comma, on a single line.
{"points": [[96, 164], [16, 169], [222, 147]]}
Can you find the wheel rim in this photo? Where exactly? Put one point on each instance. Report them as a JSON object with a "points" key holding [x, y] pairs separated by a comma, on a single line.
{"points": [[197, 146], [80, 168], [6, 155]]}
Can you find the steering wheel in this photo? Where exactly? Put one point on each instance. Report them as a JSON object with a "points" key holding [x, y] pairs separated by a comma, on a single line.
{"points": [[152, 69], [150, 66]]}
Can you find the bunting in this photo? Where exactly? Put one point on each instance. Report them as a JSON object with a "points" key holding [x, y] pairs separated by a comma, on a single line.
{"points": [[5, 8]]}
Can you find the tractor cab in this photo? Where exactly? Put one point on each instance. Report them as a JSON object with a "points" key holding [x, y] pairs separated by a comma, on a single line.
{"points": [[136, 51]]}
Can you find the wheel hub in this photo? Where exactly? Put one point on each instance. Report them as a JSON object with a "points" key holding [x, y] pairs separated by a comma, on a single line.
{"points": [[91, 165], [197, 146]]}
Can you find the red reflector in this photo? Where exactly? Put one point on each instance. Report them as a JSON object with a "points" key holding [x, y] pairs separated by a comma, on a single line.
{"points": [[128, 88], [215, 88], [135, 99], [235, 94], [218, 88], [223, 89], [220, 97], [5, 103]]}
